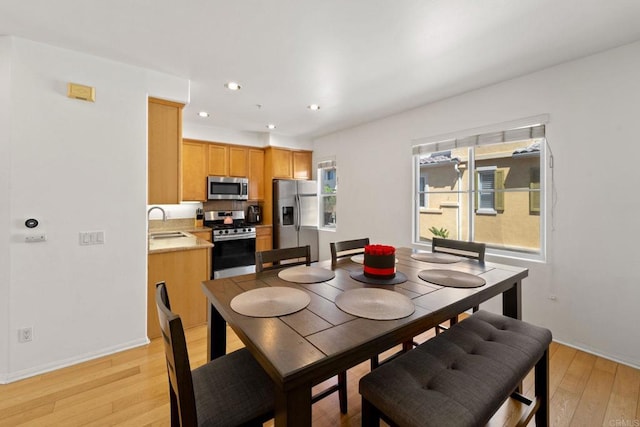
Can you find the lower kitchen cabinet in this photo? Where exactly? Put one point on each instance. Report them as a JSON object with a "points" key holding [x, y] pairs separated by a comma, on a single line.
{"points": [[264, 238], [183, 272]]}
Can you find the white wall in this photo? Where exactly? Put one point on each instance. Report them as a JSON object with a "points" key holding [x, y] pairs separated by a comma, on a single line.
{"points": [[75, 166], [593, 234], [254, 139], [5, 206], [228, 136]]}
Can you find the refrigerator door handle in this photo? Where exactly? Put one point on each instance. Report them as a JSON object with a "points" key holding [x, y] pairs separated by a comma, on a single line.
{"points": [[297, 215]]}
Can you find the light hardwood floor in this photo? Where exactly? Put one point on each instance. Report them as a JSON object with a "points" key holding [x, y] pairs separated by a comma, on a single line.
{"points": [[130, 389]]}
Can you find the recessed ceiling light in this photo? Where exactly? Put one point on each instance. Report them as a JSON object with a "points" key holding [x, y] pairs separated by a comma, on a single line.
{"points": [[313, 107], [271, 126], [203, 114], [233, 86]]}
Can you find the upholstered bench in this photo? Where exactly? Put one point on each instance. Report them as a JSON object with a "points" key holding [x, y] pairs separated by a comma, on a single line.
{"points": [[462, 376]]}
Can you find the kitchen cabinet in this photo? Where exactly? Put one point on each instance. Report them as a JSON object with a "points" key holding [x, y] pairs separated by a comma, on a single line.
{"points": [[282, 163], [218, 157], [194, 170], [183, 272], [256, 174], [264, 238], [164, 150], [238, 158], [201, 159], [302, 165]]}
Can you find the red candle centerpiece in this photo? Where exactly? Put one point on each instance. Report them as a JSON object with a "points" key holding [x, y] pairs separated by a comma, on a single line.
{"points": [[380, 261]]}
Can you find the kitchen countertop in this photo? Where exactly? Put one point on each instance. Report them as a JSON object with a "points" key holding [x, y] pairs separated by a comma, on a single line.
{"points": [[174, 244]]}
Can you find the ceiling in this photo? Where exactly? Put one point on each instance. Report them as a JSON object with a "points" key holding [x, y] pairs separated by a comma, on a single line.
{"points": [[360, 60]]}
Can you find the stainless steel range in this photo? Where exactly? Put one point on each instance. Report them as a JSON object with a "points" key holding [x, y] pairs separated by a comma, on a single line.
{"points": [[234, 243]]}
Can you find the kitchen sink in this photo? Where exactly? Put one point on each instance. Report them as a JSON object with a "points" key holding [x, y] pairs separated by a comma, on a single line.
{"points": [[167, 235]]}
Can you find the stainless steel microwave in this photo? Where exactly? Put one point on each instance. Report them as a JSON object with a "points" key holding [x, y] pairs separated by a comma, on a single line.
{"points": [[227, 188]]}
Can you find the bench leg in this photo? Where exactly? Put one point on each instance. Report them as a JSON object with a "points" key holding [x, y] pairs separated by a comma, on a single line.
{"points": [[542, 389], [370, 414]]}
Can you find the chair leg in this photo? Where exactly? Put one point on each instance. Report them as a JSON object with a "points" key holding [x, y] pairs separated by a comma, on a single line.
{"points": [[542, 389], [342, 391], [370, 415], [375, 362]]}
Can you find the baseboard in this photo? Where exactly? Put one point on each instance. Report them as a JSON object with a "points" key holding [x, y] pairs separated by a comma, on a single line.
{"points": [[631, 364], [6, 378]]}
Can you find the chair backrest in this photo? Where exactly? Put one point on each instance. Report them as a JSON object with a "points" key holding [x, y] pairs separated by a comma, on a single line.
{"points": [[461, 248], [346, 248], [181, 394], [295, 256]]}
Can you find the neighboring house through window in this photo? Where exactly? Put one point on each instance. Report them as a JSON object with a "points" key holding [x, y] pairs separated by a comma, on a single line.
{"points": [[485, 188]]}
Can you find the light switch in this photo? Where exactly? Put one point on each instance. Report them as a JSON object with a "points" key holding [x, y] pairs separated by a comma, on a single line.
{"points": [[91, 238]]}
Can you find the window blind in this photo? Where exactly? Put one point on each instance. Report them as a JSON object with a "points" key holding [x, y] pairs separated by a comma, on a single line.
{"points": [[515, 134], [327, 164]]}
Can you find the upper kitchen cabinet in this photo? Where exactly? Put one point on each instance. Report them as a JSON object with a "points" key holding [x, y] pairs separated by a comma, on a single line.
{"points": [[282, 163], [302, 165], [164, 146], [194, 170], [201, 159], [238, 158], [256, 174], [218, 159]]}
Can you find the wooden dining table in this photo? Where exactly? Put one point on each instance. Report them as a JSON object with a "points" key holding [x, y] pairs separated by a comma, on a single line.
{"points": [[306, 347]]}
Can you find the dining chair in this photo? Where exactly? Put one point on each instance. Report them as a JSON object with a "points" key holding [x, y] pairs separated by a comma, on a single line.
{"points": [[347, 248], [289, 257], [471, 250], [230, 390], [283, 257]]}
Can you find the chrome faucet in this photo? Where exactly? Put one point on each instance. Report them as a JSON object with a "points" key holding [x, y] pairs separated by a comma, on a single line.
{"points": [[164, 214]]}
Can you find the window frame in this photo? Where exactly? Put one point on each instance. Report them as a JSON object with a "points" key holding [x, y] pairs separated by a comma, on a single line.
{"points": [[322, 167], [461, 139]]}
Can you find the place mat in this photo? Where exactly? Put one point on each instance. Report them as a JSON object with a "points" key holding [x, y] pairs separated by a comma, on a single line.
{"points": [[306, 274], [270, 301], [360, 277], [375, 303], [436, 257], [451, 278], [360, 258]]}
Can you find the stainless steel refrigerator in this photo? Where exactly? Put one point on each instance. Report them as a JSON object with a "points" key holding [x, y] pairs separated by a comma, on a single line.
{"points": [[295, 214]]}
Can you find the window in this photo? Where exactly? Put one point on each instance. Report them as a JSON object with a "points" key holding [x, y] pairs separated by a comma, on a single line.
{"points": [[424, 203], [485, 188], [328, 194]]}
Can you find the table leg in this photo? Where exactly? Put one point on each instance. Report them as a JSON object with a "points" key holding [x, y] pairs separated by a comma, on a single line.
{"points": [[293, 408], [216, 334], [512, 301], [512, 307]]}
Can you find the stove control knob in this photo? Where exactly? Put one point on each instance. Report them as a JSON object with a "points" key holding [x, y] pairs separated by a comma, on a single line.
{"points": [[235, 230]]}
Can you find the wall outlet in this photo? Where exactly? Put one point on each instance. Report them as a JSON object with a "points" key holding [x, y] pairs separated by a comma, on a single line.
{"points": [[25, 334]]}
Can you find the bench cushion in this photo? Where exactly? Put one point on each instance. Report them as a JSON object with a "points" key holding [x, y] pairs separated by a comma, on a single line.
{"points": [[460, 377]]}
